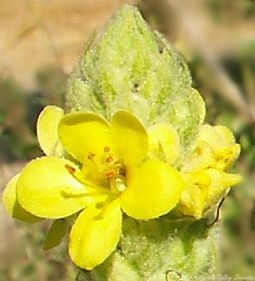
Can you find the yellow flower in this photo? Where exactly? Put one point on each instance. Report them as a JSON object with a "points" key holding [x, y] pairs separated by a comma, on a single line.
{"points": [[204, 170], [111, 171]]}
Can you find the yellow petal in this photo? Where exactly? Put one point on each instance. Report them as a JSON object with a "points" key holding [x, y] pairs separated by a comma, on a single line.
{"points": [[55, 235], [193, 201], [130, 138], [200, 158], [153, 189], [215, 147], [216, 136], [220, 183], [195, 196], [205, 189], [222, 141], [83, 134], [47, 130], [164, 143], [47, 189], [95, 235], [227, 136], [226, 156], [12, 205]]}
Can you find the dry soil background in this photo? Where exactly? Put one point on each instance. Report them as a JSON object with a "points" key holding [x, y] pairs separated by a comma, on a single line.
{"points": [[37, 32]]}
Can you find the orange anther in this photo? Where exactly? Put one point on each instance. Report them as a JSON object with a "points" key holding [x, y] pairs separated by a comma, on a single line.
{"points": [[91, 155], [70, 169], [110, 174], [106, 149], [109, 159]]}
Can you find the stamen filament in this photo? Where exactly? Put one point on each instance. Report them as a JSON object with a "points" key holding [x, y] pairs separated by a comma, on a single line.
{"points": [[103, 205]]}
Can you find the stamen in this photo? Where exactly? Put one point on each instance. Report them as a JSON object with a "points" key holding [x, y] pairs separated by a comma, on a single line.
{"points": [[109, 159], [102, 206], [110, 174], [122, 171], [70, 169], [106, 149], [91, 155], [76, 173], [68, 192]]}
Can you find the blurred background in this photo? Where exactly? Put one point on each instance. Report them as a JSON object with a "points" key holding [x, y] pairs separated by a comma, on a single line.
{"points": [[40, 42]]}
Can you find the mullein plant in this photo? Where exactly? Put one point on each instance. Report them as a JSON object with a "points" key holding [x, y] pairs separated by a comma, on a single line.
{"points": [[131, 173]]}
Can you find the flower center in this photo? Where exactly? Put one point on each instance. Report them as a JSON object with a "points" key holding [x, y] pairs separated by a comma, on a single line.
{"points": [[104, 171], [109, 169]]}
